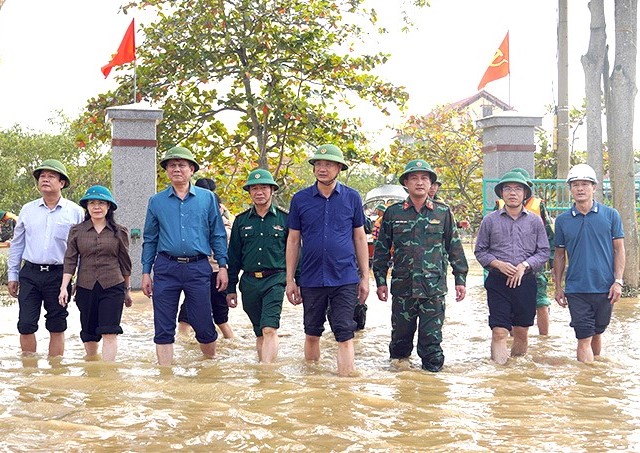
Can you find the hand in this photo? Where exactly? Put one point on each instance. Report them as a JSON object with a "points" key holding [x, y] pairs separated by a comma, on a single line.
{"points": [[464, 224], [560, 297], [507, 269], [147, 285], [515, 280], [383, 293], [461, 291], [363, 289], [128, 301], [63, 296], [232, 300], [223, 279], [13, 288], [293, 293], [615, 292]]}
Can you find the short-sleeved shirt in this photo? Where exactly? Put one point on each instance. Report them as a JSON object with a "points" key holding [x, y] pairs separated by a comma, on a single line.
{"points": [[588, 241], [40, 235], [423, 240], [104, 257], [188, 227], [326, 228], [257, 243]]}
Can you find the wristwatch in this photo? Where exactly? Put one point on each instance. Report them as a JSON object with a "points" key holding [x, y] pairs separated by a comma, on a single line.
{"points": [[619, 281]]}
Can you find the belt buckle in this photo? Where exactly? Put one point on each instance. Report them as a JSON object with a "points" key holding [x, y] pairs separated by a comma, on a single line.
{"points": [[258, 274], [44, 268], [183, 259]]}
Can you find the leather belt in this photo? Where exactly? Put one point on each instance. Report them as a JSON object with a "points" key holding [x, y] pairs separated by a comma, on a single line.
{"points": [[266, 273], [184, 259], [43, 267]]}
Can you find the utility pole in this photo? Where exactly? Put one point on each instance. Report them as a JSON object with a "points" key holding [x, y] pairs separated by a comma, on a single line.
{"points": [[562, 108]]}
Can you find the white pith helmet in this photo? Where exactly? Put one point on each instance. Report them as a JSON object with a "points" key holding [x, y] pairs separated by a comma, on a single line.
{"points": [[582, 172]]}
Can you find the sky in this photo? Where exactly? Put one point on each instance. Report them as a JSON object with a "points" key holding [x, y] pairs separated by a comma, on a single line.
{"points": [[51, 53]]}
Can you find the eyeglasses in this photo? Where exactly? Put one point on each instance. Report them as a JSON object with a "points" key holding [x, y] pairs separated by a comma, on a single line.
{"points": [[516, 189]]}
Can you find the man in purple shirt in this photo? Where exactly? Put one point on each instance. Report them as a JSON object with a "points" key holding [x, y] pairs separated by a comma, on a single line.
{"points": [[327, 219], [512, 245]]}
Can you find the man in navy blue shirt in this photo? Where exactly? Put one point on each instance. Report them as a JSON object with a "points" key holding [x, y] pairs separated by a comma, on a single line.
{"points": [[182, 227], [327, 220], [591, 236]]}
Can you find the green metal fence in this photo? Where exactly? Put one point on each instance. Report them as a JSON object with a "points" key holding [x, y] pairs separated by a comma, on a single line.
{"points": [[554, 192]]}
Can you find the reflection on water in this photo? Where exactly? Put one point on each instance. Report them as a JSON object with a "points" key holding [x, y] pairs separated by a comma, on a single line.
{"points": [[545, 401]]}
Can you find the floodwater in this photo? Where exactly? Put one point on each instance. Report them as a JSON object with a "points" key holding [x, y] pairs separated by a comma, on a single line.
{"points": [[544, 401]]}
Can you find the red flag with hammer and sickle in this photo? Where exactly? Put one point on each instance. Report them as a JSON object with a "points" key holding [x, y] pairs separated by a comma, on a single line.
{"points": [[499, 66]]}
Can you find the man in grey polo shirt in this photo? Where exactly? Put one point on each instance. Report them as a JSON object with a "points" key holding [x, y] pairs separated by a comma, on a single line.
{"points": [[40, 239]]}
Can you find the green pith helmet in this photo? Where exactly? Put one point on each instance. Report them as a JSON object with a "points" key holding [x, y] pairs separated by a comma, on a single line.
{"points": [[526, 175], [381, 207], [178, 152], [53, 165], [98, 193], [512, 176], [329, 152], [418, 165], [260, 176]]}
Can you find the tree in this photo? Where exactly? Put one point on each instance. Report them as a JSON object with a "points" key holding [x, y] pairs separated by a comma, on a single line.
{"points": [[448, 140], [22, 150], [619, 96], [255, 82]]}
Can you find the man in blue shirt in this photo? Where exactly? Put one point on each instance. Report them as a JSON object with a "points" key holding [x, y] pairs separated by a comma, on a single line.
{"points": [[591, 235], [327, 219], [182, 227]]}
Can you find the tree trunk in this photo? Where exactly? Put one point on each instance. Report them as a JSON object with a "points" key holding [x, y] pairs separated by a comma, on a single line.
{"points": [[622, 93], [593, 65]]}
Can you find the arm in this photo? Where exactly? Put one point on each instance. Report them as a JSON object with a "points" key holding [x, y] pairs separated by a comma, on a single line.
{"points": [[63, 297], [457, 258], [15, 255], [149, 249], [362, 256], [292, 254], [125, 264], [615, 291], [381, 257], [559, 259]]}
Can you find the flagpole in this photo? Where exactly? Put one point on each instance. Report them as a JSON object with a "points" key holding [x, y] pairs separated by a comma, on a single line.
{"points": [[135, 80]]}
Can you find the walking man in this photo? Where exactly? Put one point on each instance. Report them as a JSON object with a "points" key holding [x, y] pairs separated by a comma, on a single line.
{"points": [[183, 225], [40, 239], [327, 221], [423, 234], [257, 247], [591, 237], [512, 245]]}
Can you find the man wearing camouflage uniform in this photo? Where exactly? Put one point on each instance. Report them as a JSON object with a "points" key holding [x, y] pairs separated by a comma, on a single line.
{"points": [[423, 234]]}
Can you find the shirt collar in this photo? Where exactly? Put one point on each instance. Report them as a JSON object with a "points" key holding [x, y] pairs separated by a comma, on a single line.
{"points": [[595, 207], [172, 192], [337, 189], [272, 210], [525, 211], [61, 203], [88, 225], [409, 204]]}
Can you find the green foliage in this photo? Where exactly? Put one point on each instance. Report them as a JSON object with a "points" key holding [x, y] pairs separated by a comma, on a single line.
{"points": [[248, 83], [448, 140], [21, 151]]}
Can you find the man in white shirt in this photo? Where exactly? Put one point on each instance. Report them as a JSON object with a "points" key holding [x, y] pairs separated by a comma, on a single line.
{"points": [[40, 239]]}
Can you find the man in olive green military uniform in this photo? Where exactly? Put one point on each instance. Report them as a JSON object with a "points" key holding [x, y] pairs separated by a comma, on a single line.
{"points": [[257, 246], [423, 234]]}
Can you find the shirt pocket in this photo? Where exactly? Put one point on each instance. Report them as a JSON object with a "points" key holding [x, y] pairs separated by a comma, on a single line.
{"points": [[61, 231], [276, 239]]}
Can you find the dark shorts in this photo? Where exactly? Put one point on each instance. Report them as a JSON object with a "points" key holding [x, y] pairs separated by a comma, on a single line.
{"points": [[590, 313], [38, 287], [219, 307], [262, 300], [341, 299], [170, 279], [100, 311], [510, 307]]}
